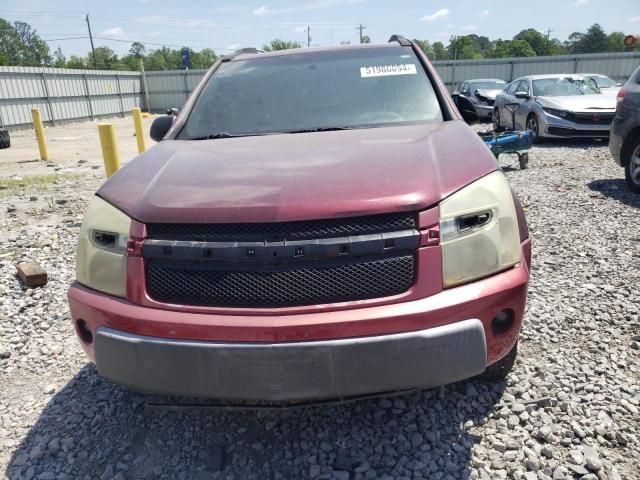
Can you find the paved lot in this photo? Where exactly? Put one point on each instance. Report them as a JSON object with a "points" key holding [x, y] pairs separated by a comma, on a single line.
{"points": [[569, 410], [68, 145]]}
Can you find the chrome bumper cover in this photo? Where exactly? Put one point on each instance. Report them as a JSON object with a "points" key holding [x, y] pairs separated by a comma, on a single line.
{"points": [[293, 371]]}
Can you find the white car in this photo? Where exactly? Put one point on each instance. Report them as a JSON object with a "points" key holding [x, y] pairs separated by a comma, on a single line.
{"points": [[606, 85], [555, 106]]}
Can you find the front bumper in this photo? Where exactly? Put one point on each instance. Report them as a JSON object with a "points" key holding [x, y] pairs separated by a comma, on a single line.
{"points": [[556, 127], [434, 340], [293, 371], [484, 111]]}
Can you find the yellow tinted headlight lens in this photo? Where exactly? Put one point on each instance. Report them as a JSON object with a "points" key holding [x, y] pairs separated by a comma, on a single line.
{"points": [[100, 259], [478, 231]]}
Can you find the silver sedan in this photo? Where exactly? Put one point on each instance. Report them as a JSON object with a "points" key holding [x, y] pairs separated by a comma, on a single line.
{"points": [[554, 106]]}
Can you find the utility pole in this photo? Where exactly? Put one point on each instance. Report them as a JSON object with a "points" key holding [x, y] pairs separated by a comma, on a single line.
{"points": [[93, 51], [308, 36], [548, 35], [361, 28]]}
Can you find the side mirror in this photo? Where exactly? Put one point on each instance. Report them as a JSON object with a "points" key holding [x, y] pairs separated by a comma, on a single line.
{"points": [[161, 126], [522, 95]]}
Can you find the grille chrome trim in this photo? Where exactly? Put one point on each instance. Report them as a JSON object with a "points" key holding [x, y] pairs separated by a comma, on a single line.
{"points": [[279, 231], [274, 253]]}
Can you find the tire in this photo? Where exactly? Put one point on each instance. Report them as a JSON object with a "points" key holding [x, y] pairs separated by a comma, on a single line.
{"points": [[5, 141], [495, 119], [533, 126], [631, 159], [499, 370]]}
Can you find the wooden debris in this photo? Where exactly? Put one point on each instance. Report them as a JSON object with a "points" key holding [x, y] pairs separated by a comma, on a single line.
{"points": [[32, 274]]}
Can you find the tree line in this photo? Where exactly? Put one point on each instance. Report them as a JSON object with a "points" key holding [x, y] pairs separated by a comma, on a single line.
{"points": [[20, 45], [527, 43]]}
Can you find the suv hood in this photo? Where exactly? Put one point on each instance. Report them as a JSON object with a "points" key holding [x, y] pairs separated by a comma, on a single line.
{"points": [[303, 176], [580, 103]]}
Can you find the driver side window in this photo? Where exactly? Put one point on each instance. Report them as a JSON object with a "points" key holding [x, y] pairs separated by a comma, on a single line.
{"points": [[511, 89], [524, 87]]}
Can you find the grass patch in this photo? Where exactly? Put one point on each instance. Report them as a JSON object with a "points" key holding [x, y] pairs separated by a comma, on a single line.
{"points": [[11, 187]]}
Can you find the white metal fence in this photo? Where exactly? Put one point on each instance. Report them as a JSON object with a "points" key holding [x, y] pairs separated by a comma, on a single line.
{"points": [[63, 94]]}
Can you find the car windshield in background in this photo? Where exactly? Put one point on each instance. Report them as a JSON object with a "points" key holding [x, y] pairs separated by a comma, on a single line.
{"points": [[604, 82], [354, 88], [563, 87], [488, 85]]}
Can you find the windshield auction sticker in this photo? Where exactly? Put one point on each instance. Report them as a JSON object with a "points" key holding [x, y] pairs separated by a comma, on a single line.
{"points": [[387, 70]]}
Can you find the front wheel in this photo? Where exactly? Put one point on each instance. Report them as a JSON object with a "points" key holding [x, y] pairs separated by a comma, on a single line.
{"points": [[533, 127], [495, 118], [632, 166], [499, 370]]}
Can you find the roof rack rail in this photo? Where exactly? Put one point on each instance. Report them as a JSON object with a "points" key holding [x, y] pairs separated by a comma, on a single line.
{"points": [[400, 39], [231, 56]]}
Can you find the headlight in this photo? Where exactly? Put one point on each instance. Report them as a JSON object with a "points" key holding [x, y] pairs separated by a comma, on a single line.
{"points": [[478, 231], [557, 113], [100, 259]]}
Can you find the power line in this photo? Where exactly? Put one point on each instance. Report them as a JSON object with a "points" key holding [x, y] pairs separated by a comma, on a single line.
{"points": [[128, 41], [65, 38], [152, 43]]}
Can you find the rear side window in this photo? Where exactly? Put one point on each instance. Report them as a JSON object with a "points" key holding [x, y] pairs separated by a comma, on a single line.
{"points": [[353, 88]]}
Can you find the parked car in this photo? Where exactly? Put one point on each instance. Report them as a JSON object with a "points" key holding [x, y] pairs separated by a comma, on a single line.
{"points": [[625, 131], [605, 84], [555, 106], [474, 98], [315, 223]]}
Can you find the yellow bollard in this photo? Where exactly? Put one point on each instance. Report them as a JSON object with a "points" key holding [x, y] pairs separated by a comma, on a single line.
{"points": [[137, 122], [109, 148], [42, 140]]}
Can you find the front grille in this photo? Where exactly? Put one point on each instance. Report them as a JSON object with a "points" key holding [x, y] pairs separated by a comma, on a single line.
{"points": [[278, 231], [338, 281], [593, 118]]}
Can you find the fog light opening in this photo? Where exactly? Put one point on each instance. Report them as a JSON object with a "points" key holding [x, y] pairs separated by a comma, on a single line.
{"points": [[84, 332], [502, 322]]}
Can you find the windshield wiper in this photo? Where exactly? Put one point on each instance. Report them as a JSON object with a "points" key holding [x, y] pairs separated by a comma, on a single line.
{"points": [[225, 135], [319, 129]]}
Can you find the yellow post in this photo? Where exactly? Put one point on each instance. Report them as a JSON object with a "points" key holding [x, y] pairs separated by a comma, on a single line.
{"points": [[109, 148], [137, 122], [42, 140]]}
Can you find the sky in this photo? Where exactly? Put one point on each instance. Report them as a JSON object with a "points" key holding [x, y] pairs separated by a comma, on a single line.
{"points": [[226, 25]]}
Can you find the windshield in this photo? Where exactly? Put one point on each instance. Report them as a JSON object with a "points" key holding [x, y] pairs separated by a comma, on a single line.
{"points": [[353, 88], [488, 85], [563, 86], [604, 82]]}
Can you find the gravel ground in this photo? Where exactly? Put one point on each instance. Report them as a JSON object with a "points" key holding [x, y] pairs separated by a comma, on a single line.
{"points": [[569, 410]]}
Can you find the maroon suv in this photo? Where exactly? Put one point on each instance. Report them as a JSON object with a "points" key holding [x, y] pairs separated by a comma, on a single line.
{"points": [[315, 223]]}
